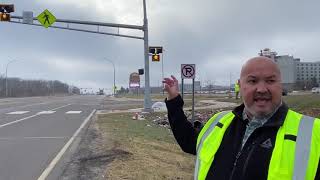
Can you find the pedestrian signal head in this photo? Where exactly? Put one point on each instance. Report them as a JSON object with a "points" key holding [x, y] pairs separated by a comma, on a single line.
{"points": [[155, 57], [4, 17], [6, 8]]}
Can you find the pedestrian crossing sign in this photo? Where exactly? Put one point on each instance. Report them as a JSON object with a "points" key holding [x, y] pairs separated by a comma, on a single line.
{"points": [[46, 18]]}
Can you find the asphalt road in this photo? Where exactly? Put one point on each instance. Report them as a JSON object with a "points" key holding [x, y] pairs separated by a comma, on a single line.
{"points": [[34, 130]]}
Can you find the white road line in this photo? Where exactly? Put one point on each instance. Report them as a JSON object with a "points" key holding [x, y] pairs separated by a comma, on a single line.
{"points": [[15, 138], [46, 112], [53, 163], [44, 137], [73, 112], [19, 120], [18, 112]]}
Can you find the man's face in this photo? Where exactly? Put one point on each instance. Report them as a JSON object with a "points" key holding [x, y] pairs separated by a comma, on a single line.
{"points": [[260, 87]]}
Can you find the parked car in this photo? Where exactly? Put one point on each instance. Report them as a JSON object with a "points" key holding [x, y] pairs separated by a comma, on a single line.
{"points": [[315, 90]]}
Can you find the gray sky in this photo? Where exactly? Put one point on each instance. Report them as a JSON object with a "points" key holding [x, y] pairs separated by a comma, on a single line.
{"points": [[216, 35]]}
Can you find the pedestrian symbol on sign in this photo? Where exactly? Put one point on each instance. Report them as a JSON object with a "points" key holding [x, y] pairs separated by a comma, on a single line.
{"points": [[46, 18]]}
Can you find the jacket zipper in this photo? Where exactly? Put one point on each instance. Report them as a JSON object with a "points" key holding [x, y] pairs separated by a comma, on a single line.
{"points": [[235, 164], [247, 159]]}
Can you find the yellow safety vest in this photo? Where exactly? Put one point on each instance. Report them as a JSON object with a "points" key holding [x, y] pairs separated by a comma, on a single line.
{"points": [[236, 87], [295, 155]]}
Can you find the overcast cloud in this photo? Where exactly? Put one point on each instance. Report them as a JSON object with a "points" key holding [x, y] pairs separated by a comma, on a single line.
{"points": [[216, 35]]}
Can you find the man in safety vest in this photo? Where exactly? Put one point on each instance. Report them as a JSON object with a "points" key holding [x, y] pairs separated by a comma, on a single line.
{"points": [[260, 139], [237, 88]]}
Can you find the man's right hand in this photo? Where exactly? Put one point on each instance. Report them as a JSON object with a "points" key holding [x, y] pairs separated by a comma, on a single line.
{"points": [[171, 85]]}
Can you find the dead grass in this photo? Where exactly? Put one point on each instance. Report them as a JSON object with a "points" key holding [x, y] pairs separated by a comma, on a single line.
{"points": [[153, 152]]}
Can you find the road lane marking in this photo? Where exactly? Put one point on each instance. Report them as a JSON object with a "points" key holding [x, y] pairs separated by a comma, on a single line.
{"points": [[44, 137], [17, 138], [73, 112], [19, 120], [18, 112], [53, 163], [46, 112]]}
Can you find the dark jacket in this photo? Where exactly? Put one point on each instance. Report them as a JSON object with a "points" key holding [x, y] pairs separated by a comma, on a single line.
{"points": [[230, 161]]}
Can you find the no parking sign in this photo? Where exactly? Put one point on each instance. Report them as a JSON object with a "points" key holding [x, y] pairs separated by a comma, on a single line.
{"points": [[188, 71]]}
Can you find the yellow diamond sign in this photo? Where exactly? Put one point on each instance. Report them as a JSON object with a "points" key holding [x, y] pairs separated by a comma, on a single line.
{"points": [[46, 18]]}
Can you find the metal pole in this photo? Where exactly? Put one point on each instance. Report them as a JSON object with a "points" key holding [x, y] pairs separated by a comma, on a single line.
{"points": [[147, 98], [7, 80], [162, 72], [182, 87], [114, 80], [192, 120]]}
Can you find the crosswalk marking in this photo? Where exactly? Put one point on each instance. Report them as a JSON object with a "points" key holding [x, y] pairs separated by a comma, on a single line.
{"points": [[42, 112], [46, 112], [18, 112], [73, 112]]}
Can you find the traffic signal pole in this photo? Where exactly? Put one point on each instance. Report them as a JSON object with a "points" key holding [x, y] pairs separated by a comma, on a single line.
{"points": [[145, 38], [147, 96]]}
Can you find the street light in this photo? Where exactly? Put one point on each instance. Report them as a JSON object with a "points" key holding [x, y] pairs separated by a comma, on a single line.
{"points": [[114, 77], [7, 75]]}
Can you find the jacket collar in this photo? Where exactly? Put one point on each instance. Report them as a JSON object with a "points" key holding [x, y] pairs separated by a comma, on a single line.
{"points": [[276, 119]]}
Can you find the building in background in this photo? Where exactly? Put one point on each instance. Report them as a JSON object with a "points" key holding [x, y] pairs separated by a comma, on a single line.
{"points": [[296, 75]]}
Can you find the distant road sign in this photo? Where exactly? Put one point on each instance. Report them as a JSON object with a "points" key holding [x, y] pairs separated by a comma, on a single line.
{"points": [[188, 71], [27, 17], [134, 80], [46, 18]]}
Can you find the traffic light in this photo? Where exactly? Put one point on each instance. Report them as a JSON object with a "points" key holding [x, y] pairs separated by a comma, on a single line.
{"points": [[4, 17], [6, 8], [156, 57]]}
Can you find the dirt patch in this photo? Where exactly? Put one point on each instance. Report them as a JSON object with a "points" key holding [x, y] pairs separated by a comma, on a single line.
{"points": [[92, 156], [152, 152]]}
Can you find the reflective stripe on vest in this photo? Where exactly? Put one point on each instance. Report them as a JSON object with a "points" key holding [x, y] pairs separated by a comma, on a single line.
{"points": [[204, 158], [303, 145], [293, 152], [295, 155]]}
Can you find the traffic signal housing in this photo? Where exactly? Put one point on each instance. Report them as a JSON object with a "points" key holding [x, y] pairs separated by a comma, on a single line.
{"points": [[156, 57], [155, 49], [6, 8], [4, 17]]}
